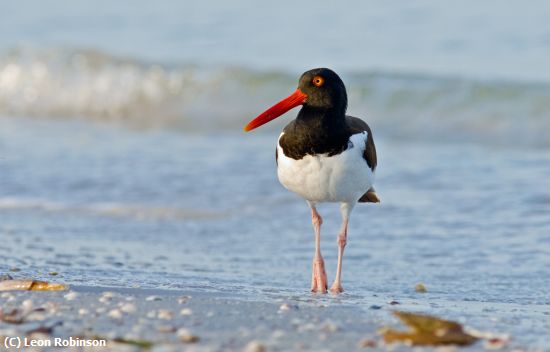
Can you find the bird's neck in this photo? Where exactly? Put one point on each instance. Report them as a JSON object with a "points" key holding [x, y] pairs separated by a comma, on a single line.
{"points": [[315, 131], [323, 120]]}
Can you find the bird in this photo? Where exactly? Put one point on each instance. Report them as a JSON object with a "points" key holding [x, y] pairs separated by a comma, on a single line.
{"points": [[324, 155]]}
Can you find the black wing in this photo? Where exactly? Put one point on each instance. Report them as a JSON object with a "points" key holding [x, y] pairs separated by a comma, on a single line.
{"points": [[356, 125]]}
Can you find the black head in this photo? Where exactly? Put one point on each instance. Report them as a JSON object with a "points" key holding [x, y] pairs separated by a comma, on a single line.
{"points": [[324, 89], [320, 91]]}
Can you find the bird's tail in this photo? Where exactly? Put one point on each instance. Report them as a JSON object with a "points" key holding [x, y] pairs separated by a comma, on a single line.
{"points": [[370, 197]]}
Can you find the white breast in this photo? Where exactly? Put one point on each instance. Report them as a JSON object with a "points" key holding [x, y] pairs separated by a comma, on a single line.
{"points": [[320, 178]]}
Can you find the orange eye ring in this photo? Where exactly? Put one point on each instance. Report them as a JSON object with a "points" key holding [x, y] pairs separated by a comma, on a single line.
{"points": [[318, 81]]}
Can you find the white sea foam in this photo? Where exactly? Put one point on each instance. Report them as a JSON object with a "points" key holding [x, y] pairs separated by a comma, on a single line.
{"points": [[95, 85], [117, 210]]}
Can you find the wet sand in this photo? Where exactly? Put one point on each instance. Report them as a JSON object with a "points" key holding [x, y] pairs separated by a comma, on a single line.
{"points": [[134, 319], [176, 320]]}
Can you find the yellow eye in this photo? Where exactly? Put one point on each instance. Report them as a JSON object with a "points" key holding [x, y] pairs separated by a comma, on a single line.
{"points": [[318, 81]]}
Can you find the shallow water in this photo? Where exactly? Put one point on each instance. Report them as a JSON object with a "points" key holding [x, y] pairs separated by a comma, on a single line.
{"points": [[429, 70], [109, 206]]}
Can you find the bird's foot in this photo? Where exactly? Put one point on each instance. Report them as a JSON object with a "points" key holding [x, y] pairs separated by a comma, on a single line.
{"points": [[319, 277], [336, 288]]}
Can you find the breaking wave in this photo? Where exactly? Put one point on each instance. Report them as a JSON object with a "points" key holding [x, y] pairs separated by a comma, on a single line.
{"points": [[62, 83]]}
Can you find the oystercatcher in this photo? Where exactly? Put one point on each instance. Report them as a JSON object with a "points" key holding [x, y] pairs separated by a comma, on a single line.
{"points": [[324, 155]]}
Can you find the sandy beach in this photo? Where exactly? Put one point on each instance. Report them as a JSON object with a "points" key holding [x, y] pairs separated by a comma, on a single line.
{"points": [[194, 321], [168, 320]]}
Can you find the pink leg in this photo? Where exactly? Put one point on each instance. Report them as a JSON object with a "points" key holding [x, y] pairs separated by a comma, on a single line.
{"points": [[342, 240], [318, 276]]}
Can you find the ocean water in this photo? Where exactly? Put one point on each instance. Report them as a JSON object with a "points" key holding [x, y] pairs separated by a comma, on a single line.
{"points": [[122, 161]]}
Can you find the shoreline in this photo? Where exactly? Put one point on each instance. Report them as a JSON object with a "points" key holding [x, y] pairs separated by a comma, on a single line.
{"points": [[136, 319]]}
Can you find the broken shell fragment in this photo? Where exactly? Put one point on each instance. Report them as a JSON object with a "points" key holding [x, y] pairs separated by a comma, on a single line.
{"points": [[420, 288], [186, 336]]}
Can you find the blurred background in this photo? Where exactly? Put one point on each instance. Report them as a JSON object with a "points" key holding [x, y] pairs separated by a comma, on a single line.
{"points": [[123, 161], [427, 70]]}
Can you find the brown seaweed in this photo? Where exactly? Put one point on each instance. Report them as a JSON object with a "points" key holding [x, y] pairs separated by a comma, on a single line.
{"points": [[30, 285], [427, 330]]}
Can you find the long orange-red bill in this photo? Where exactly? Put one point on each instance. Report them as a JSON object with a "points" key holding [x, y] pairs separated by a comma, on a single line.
{"points": [[295, 99]]}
